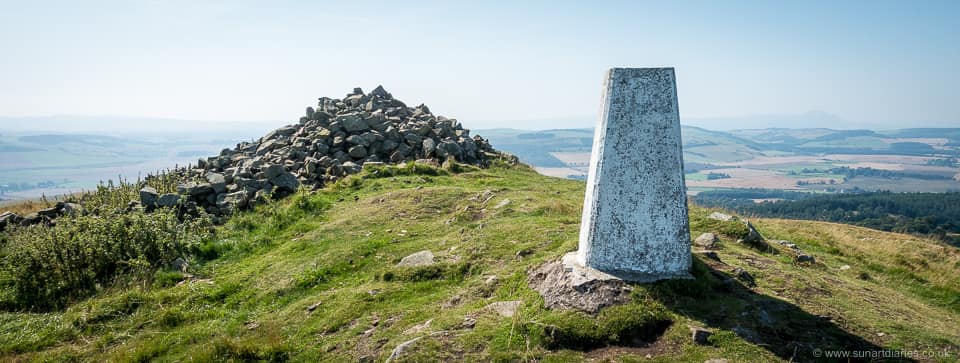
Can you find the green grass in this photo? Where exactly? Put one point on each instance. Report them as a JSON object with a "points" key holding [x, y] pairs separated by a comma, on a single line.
{"points": [[337, 250]]}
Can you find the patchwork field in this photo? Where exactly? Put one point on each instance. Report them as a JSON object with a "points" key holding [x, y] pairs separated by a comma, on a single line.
{"points": [[923, 160]]}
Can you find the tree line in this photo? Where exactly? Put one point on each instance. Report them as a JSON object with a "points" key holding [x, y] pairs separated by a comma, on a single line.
{"points": [[936, 214]]}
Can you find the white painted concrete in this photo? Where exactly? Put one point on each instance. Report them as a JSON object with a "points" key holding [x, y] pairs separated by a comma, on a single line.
{"points": [[635, 222]]}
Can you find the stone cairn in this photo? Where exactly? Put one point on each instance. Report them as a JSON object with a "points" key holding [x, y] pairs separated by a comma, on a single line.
{"points": [[331, 141]]}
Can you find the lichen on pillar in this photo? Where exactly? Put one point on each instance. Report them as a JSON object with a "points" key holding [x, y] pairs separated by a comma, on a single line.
{"points": [[635, 222]]}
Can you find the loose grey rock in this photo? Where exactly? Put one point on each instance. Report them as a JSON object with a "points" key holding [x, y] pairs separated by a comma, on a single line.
{"points": [[566, 285], [72, 209], [428, 147], [179, 264], [449, 148], [422, 258], [273, 171], [9, 219], [358, 152], [217, 181], [148, 196], [168, 200], [468, 323], [194, 189], [352, 122], [230, 202], [32, 219], [286, 181], [722, 217], [805, 258], [52, 212], [753, 236], [707, 240]]}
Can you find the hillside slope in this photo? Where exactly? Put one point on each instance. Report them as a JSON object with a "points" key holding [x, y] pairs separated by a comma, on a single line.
{"points": [[314, 278]]}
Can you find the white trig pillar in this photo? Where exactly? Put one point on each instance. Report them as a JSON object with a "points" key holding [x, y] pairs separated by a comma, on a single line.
{"points": [[635, 222]]}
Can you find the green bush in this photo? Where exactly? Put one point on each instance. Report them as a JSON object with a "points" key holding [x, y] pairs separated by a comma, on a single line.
{"points": [[47, 267]]}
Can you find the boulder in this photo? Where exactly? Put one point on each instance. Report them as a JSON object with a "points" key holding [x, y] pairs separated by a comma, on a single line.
{"points": [[357, 140], [422, 258], [565, 284], [449, 148], [168, 200], [707, 240], [273, 171], [148, 196], [413, 139], [352, 122], [753, 236], [230, 202], [351, 167], [52, 212], [358, 152], [72, 209], [32, 219], [195, 189], [217, 181], [9, 219], [286, 181], [429, 146], [381, 93]]}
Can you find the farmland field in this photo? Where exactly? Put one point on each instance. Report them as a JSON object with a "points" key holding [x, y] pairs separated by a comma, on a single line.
{"points": [[818, 160]]}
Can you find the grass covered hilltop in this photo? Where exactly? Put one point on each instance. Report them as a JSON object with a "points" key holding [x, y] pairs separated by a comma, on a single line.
{"points": [[315, 277]]}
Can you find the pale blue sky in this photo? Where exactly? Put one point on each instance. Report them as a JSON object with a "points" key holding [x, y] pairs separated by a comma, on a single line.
{"points": [[883, 63]]}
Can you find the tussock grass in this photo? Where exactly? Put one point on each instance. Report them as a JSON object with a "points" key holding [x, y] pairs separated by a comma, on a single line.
{"points": [[335, 251]]}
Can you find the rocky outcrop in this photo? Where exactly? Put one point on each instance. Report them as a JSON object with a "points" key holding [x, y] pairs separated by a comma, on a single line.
{"points": [[566, 285], [329, 142], [9, 219], [46, 216]]}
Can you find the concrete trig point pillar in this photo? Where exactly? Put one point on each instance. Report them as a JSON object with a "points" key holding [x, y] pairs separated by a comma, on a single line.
{"points": [[635, 224]]}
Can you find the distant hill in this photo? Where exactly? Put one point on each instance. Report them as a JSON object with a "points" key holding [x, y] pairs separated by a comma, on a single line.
{"points": [[44, 162]]}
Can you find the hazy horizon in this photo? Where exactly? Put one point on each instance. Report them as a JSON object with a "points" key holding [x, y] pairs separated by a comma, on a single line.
{"points": [[140, 125], [878, 64]]}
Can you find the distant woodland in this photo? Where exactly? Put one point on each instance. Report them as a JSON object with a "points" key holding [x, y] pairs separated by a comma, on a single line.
{"points": [[936, 214]]}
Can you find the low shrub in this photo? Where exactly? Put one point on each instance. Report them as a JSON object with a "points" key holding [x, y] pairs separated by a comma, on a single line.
{"points": [[47, 267]]}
